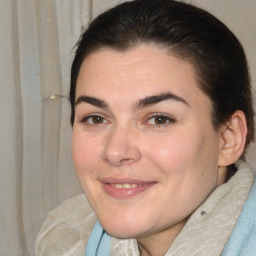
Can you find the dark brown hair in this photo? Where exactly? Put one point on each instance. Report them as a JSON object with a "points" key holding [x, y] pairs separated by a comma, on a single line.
{"points": [[187, 32]]}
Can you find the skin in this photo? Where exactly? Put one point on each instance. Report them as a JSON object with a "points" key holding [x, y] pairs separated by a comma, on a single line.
{"points": [[170, 143]]}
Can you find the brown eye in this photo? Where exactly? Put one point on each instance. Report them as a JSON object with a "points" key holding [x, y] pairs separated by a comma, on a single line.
{"points": [[159, 120], [97, 120], [93, 120]]}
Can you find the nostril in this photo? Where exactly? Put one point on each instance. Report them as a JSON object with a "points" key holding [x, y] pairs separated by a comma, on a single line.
{"points": [[119, 162], [126, 161]]}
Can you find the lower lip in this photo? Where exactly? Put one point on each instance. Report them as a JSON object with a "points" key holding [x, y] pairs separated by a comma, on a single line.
{"points": [[125, 193]]}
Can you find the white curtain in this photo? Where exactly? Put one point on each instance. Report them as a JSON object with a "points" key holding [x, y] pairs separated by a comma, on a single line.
{"points": [[36, 170]]}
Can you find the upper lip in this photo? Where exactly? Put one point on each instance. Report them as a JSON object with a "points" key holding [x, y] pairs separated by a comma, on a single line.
{"points": [[110, 180]]}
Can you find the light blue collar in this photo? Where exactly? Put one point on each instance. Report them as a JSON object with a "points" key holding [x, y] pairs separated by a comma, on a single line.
{"points": [[242, 241], [98, 243]]}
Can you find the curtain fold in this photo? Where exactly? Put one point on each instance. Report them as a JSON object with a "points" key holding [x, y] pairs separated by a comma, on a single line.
{"points": [[36, 170]]}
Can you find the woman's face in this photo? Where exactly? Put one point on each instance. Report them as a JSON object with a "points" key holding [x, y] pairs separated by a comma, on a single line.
{"points": [[144, 147]]}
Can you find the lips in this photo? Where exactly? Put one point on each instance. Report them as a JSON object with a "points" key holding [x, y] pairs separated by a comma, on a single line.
{"points": [[125, 188]]}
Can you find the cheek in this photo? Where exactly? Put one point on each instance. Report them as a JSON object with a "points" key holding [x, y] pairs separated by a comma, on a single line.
{"points": [[185, 159], [169, 152], [188, 174], [85, 152]]}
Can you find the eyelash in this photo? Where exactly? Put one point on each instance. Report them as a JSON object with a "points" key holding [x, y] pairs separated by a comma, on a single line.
{"points": [[166, 119]]}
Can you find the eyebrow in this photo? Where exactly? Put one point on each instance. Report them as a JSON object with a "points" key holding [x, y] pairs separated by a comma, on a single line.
{"points": [[154, 99], [142, 103], [91, 100]]}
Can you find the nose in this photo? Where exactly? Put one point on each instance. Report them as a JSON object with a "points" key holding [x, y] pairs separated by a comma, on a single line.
{"points": [[122, 147]]}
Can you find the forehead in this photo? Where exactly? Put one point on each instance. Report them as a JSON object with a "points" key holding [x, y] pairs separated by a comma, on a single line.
{"points": [[138, 71]]}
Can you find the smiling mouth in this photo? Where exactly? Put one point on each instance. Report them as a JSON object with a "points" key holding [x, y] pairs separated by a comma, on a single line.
{"points": [[125, 189]]}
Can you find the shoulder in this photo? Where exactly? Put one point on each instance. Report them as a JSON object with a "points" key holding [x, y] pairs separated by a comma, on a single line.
{"points": [[66, 229]]}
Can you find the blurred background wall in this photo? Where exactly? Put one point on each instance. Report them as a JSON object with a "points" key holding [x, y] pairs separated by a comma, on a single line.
{"points": [[36, 171]]}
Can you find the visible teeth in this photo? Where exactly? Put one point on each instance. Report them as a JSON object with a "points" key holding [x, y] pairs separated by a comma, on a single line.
{"points": [[125, 186]]}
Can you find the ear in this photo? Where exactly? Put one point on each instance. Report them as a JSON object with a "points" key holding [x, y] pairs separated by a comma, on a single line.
{"points": [[233, 138]]}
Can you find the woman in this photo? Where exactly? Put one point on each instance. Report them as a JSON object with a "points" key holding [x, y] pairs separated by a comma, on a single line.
{"points": [[161, 115]]}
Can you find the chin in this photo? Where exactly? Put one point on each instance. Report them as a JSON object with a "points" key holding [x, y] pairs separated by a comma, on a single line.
{"points": [[123, 231]]}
